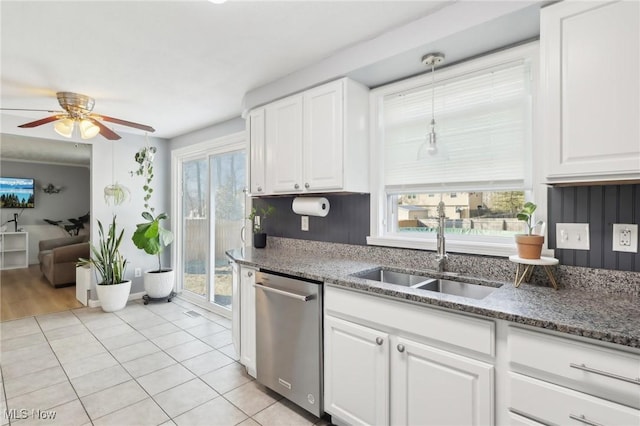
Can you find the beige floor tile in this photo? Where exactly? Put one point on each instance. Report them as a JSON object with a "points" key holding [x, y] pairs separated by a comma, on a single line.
{"points": [[218, 411], [205, 329], [168, 423], [22, 342], [64, 332], [284, 412], [109, 332], [100, 380], [227, 378], [40, 362], [112, 399], [143, 413], [147, 322], [87, 315], [164, 379], [207, 362], [73, 340], [31, 382], [78, 352], [251, 397], [68, 414], [188, 350], [45, 398], [225, 322], [148, 364], [89, 365], [249, 422], [159, 330], [123, 340], [218, 340], [230, 351], [102, 320], [57, 320], [18, 328], [189, 322], [134, 351], [184, 397], [173, 339], [10, 357]]}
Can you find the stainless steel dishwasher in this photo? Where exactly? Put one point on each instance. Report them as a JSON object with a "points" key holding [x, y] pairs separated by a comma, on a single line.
{"points": [[289, 338]]}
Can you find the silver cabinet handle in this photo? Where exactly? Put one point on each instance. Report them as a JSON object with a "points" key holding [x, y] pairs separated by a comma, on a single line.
{"points": [[249, 274], [400, 348], [604, 373], [581, 418], [296, 186], [300, 297], [259, 189], [306, 185], [379, 341]]}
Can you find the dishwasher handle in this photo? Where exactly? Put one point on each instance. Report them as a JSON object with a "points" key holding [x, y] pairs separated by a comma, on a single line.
{"points": [[300, 297]]}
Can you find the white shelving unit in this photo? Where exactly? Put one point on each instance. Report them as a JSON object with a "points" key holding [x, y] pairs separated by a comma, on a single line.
{"points": [[14, 250]]}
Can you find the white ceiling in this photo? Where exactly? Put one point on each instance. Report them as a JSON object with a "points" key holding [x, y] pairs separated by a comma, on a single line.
{"points": [[175, 65]]}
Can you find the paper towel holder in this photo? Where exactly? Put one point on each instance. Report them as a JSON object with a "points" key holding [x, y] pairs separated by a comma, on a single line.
{"points": [[311, 206]]}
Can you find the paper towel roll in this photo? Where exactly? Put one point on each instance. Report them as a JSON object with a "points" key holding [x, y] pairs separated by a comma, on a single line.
{"points": [[311, 206]]}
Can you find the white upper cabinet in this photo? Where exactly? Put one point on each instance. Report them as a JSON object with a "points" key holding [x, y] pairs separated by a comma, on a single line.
{"points": [[590, 90], [316, 141], [255, 127]]}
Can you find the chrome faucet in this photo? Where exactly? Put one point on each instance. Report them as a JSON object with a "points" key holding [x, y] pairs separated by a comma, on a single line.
{"points": [[441, 257]]}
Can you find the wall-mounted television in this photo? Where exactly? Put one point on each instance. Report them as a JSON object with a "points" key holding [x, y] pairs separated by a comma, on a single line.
{"points": [[17, 193]]}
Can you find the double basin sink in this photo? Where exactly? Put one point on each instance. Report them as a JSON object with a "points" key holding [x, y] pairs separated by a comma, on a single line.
{"points": [[439, 285]]}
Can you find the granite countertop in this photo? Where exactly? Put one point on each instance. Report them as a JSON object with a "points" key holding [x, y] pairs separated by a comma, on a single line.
{"points": [[604, 317]]}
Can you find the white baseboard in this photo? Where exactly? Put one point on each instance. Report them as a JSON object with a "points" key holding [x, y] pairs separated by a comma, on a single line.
{"points": [[93, 303]]}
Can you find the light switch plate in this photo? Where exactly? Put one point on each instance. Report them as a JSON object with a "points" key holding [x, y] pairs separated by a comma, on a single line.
{"points": [[625, 237], [572, 236]]}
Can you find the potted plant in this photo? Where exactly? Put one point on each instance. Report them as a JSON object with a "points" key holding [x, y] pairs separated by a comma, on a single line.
{"points": [[257, 223], [109, 265], [150, 236], [529, 244]]}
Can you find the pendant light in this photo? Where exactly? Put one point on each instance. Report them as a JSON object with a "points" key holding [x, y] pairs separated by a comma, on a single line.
{"points": [[430, 144]]}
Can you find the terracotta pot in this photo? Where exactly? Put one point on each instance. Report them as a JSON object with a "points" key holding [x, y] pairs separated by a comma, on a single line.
{"points": [[260, 240], [529, 246]]}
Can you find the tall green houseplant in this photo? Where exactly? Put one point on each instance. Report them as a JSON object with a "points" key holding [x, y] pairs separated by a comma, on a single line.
{"points": [[107, 260], [150, 236]]}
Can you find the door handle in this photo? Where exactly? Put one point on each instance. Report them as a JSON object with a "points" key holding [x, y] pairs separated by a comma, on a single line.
{"points": [[303, 298], [604, 373]]}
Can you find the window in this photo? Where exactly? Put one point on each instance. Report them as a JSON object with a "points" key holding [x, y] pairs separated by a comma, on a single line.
{"points": [[481, 170]]}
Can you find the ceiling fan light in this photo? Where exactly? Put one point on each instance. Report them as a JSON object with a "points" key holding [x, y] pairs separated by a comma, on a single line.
{"points": [[88, 130], [64, 127]]}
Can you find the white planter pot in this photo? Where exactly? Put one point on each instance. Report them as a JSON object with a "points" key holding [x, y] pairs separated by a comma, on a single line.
{"points": [[159, 284], [114, 297]]}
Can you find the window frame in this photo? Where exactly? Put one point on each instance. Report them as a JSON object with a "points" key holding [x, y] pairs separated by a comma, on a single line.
{"points": [[380, 207]]}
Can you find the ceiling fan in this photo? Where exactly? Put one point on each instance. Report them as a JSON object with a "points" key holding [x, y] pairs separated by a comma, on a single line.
{"points": [[77, 110]]}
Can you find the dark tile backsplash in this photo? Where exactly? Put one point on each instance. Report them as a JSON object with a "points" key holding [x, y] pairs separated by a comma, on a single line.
{"points": [[347, 221], [601, 206]]}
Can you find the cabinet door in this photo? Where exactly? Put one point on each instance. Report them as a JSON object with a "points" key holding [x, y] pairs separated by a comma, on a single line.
{"points": [[356, 372], [235, 306], [323, 137], [590, 89], [435, 387], [256, 128], [284, 145], [248, 319]]}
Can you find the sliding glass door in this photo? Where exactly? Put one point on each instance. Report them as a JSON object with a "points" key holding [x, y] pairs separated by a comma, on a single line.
{"points": [[212, 216]]}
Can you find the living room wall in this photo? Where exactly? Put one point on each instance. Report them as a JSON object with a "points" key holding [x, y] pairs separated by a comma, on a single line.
{"points": [[72, 201]]}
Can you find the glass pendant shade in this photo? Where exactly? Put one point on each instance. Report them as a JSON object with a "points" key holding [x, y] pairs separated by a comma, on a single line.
{"points": [[88, 130], [64, 127]]}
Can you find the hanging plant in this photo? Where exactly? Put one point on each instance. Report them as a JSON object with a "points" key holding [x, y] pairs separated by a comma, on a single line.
{"points": [[116, 194], [144, 158]]}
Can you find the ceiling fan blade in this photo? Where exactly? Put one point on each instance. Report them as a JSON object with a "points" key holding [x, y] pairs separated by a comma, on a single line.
{"points": [[124, 122], [36, 110], [105, 131], [40, 122]]}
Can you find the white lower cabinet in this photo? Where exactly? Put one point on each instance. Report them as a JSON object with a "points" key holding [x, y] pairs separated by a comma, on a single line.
{"points": [[243, 324], [377, 375]]}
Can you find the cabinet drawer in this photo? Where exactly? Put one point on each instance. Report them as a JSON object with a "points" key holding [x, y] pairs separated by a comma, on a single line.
{"points": [[459, 330], [553, 404], [600, 371]]}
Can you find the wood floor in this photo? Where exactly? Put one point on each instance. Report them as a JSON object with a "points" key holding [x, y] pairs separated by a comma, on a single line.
{"points": [[26, 292]]}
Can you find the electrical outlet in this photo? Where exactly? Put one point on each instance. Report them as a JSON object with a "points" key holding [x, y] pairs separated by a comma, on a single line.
{"points": [[625, 237], [304, 223], [572, 236], [137, 272]]}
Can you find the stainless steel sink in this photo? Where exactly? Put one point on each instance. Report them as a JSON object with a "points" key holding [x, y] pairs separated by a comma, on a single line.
{"points": [[420, 282]]}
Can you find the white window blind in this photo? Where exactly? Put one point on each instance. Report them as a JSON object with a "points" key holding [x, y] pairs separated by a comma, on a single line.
{"points": [[483, 123]]}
